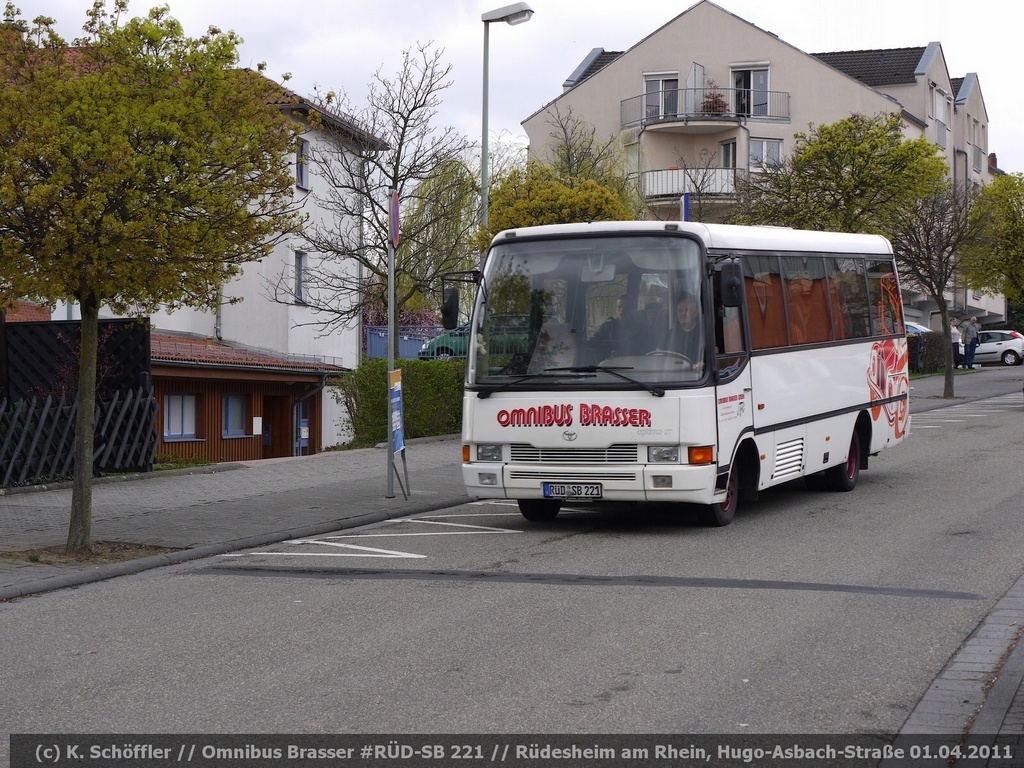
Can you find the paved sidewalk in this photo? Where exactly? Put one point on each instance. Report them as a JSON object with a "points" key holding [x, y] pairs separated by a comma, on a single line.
{"points": [[237, 506], [225, 507]]}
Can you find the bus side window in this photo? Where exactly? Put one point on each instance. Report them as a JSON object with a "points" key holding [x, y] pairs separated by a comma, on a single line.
{"points": [[766, 309], [731, 340]]}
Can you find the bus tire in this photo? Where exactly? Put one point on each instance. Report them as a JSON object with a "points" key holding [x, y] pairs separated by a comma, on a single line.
{"points": [[844, 476], [539, 510], [721, 513]]}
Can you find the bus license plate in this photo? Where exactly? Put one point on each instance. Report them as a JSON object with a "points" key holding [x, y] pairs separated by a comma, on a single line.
{"points": [[572, 490]]}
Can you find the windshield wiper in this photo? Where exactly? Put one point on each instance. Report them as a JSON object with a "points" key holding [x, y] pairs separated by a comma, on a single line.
{"points": [[614, 371], [485, 393]]}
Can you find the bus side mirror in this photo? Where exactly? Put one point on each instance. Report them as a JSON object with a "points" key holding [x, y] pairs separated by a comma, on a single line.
{"points": [[730, 286], [450, 308]]}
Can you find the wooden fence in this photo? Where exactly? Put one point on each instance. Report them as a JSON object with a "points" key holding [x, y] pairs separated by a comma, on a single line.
{"points": [[37, 437]]}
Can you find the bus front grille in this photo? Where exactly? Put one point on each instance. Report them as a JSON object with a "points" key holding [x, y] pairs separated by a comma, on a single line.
{"points": [[572, 477], [619, 453]]}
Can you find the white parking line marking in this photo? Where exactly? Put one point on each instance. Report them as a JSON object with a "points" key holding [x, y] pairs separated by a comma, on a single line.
{"points": [[476, 530], [331, 541], [364, 551]]}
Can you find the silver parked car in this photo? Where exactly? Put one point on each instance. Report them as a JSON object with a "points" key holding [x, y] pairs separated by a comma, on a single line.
{"points": [[1001, 346]]}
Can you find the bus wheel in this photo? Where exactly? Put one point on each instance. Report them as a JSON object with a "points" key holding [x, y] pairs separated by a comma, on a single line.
{"points": [[723, 512], [539, 510], [844, 477]]}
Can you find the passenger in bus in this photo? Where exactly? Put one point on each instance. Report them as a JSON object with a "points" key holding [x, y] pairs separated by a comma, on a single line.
{"points": [[686, 338], [653, 335], [615, 334]]}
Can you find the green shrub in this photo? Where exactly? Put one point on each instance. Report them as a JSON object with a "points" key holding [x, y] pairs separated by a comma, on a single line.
{"points": [[933, 352], [431, 399]]}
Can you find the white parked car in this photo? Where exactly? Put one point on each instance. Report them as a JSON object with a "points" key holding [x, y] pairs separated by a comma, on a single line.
{"points": [[917, 328], [1002, 346]]}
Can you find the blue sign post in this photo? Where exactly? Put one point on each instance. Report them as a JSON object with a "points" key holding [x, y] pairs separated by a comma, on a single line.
{"points": [[396, 428]]}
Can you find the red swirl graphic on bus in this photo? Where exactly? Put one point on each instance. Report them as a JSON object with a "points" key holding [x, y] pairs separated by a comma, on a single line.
{"points": [[889, 384]]}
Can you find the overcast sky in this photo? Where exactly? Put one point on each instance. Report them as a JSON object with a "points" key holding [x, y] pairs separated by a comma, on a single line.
{"points": [[339, 44]]}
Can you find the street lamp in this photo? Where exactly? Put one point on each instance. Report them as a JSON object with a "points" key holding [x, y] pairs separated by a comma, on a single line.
{"points": [[517, 13]]}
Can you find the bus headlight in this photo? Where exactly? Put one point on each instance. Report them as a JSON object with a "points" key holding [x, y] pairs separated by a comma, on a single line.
{"points": [[488, 453], [663, 454]]}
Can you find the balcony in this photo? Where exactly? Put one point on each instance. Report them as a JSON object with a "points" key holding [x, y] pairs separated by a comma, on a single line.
{"points": [[695, 110], [674, 182]]}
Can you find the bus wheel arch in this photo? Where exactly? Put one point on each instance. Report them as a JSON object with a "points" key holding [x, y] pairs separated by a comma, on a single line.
{"points": [[748, 462], [741, 486]]}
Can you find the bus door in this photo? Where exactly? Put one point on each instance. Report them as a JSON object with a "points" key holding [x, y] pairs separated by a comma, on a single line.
{"points": [[731, 376]]}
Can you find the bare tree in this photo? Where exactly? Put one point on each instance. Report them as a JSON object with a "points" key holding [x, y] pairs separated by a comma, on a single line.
{"points": [[428, 167], [578, 154], [703, 181], [929, 238]]}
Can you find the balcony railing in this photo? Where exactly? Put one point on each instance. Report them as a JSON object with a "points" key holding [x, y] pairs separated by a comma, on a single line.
{"points": [[673, 182], [685, 105]]}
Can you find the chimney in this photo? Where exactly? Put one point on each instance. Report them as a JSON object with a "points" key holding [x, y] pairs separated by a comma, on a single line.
{"points": [[12, 34], [993, 164], [9, 27]]}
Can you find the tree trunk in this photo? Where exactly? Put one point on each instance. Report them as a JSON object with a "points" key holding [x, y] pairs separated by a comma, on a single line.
{"points": [[80, 528], [947, 336]]}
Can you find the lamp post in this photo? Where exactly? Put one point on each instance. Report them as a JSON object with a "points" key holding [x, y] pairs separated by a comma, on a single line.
{"points": [[517, 13]]}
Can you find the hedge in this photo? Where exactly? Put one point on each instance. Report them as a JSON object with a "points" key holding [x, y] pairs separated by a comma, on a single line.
{"points": [[431, 399], [932, 352]]}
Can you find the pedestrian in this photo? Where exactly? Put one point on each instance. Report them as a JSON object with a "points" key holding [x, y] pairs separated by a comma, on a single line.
{"points": [[954, 335], [969, 332]]}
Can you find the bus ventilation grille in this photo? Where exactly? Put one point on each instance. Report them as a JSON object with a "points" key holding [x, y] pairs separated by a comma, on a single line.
{"points": [[624, 453], [789, 458]]}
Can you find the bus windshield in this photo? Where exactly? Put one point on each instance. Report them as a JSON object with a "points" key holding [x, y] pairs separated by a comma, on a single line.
{"points": [[608, 312]]}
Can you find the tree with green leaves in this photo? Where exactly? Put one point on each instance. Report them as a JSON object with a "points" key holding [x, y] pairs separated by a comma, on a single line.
{"points": [[139, 169], [996, 261], [536, 195], [853, 175]]}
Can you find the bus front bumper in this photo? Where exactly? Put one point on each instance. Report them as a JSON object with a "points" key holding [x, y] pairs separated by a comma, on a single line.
{"points": [[633, 482]]}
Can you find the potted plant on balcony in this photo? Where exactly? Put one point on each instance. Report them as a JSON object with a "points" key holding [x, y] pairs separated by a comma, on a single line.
{"points": [[714, 102]]}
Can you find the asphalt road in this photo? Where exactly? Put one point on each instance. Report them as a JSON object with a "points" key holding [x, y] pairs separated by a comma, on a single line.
{"points": [[812, 613]]}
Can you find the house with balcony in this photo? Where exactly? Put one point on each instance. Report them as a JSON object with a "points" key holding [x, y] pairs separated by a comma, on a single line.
{"points": [[709, 97]]}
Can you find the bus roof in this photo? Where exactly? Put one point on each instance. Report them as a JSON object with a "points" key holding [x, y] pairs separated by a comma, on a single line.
{"points": [[719, 237]]}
